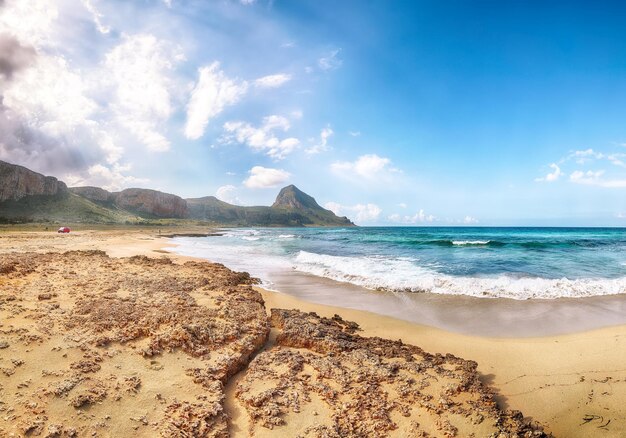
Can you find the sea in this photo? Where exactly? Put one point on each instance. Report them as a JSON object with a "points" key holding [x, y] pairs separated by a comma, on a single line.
{"points": [[485, 262]]}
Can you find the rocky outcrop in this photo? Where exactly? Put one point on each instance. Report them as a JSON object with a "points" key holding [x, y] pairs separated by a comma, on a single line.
{"points": [[341, 384], [95, 194], [134, 346], [144, 202], [292, 197], [152, 203], [17, 182]]}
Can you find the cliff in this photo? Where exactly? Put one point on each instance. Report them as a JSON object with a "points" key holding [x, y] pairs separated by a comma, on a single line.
{"points": [[151, 202], [17, 182]]}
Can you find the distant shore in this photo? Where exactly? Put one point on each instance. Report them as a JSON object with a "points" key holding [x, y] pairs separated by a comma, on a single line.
{"points": [[568, 383]]}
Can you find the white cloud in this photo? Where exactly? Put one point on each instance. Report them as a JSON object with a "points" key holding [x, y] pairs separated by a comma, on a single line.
{"points": [[330, 61], [228, 193], [108, 177], [617, 159], [552, 176], [168, 3], [368, 167], [263, 138], [402, 205], [264, 177], [359, 213], [213, 92], [54, 117], [586, 155], [272, 81], [96, 16], [595, 179], [322, 145], [354, 133], [247, 2], [470, 220], [139, 69], [620, 215], [419, 217], [30, 21], [51, 95]]}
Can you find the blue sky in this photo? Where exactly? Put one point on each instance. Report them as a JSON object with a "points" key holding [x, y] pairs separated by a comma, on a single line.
{"points": [[403, 112]]}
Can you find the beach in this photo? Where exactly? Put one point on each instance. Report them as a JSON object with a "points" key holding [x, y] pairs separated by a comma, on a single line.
{"points": [[572, 383]]}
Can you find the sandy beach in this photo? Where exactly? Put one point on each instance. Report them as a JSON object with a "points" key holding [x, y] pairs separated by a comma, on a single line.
{"points": [[72, 367]]}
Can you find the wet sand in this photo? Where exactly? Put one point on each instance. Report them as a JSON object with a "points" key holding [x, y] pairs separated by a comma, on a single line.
{"points": [[493, 317]]}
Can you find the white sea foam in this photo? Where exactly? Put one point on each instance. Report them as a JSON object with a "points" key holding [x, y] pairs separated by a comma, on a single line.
{"points": [[470, 242], [286, 236], [251, 238], [404, 276]]}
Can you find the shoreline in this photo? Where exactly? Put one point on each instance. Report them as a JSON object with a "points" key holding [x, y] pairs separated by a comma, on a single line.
{"points": [[555, 380], [464, 314], [529, 373]]}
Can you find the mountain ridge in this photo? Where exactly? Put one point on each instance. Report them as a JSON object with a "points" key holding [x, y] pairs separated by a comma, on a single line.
{"points": [[42, 198]]}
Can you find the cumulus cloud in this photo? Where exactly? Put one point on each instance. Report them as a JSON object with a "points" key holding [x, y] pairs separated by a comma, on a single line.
{"points": [[359, 213], [552, 176], [213, 92], [111, 178], [330, 61], [322, 144], [139, 69], [369, 167], [228, 193], [419, 217], [470, 220], [75, 122], [264, 177], [263, 138], [272, 81]]}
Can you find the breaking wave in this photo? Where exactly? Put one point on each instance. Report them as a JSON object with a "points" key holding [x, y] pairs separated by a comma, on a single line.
{"points": [[403, 275]]}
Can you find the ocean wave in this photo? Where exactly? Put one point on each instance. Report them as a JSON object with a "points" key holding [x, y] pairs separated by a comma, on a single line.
{"points": [[286, 236], [460, 243], [251, 238], [470, 242], [397, 275]]}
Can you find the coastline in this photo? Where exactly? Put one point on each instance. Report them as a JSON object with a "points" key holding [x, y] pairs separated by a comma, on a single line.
{"points": [[555, 380]]}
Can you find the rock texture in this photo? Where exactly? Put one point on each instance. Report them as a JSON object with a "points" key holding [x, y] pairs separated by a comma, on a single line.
{"points": [[334, 383], [151, 202], [121, 347], [17, 182]]}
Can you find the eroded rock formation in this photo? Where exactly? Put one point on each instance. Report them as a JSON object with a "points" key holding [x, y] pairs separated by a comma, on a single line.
{"points": [[17, 182]]}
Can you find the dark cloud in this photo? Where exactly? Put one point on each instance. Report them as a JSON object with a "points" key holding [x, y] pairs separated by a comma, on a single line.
{"points": [[14, 56], [28, 146]]}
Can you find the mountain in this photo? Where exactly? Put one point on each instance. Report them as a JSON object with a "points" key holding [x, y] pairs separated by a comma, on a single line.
{"points": [[291, 197], [27, 196], [292, 208]]}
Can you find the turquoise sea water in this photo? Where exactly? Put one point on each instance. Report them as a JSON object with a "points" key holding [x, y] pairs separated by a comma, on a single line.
{"points": [[518, 263]]}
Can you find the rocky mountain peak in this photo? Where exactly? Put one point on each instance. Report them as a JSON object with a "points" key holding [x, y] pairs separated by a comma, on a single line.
{"points": [[292, 197]]}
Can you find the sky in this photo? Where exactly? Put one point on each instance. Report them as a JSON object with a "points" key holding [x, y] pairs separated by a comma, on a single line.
{"points": [[388, 112]]}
